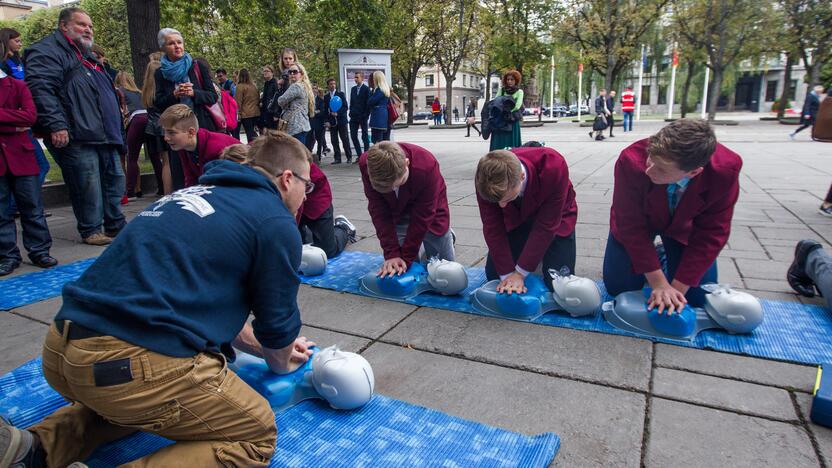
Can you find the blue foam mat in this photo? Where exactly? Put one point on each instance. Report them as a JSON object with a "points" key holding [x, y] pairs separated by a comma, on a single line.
{"points": [[26, 289], [384, 433], [790, 331]]}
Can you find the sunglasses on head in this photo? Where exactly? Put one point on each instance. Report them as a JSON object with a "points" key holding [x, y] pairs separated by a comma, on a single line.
{"points": [[293, 72]]}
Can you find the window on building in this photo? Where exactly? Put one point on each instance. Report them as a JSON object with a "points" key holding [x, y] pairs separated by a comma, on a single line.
{"points": [[664, 66], [464, 80], [428, 101], [662, 94], [771, 90], [428, 80], [648, 64], [645, 95], [792, 89]]}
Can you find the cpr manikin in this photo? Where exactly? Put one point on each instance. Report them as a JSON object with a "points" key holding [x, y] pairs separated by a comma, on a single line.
{"points": [[312, 261], [725, 308], [441, 276], [572, 294], [345, 380]]}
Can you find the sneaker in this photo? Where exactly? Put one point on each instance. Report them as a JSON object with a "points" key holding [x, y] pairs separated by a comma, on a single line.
{"points": [[99, 238], [826, 211], [19, 448], [345, 223], [796, 276], [791, 136], [7, 267]]}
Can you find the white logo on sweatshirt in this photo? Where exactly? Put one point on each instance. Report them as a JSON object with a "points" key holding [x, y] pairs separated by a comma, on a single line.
{"points": [[190, 199]]}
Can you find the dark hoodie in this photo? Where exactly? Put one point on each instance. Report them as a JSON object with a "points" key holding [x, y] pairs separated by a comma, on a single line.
{"points": [[182, 277]]}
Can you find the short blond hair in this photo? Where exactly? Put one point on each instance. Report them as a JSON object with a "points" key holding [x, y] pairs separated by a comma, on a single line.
{"points": [[237, 153], [274, 152], [386, 163], [179, 117], [497, 173]]}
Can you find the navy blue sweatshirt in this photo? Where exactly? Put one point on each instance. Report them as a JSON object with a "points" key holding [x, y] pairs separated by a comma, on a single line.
{"points": [[182, 277]]}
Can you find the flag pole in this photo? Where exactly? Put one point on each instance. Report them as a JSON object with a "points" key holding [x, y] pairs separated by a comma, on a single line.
{"points": [[671, 93], [552, 87], [705, 93], [640, 81], [580, 84]]}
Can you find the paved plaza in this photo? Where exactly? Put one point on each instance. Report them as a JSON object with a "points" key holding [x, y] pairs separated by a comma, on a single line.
{"points": [[613, 400]]}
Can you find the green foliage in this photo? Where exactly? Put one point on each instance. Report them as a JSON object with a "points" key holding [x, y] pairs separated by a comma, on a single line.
{"points": [[109, 18]]}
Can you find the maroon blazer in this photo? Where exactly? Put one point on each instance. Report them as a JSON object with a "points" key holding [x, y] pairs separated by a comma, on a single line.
{"points": [[548, 201], [17, 110], [422, 199], [209, 146], [702, 221], [320, 199]]}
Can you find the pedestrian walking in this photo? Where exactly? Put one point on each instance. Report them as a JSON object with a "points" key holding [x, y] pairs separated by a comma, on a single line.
{"points": [[628, 105], [471, 119], [810, 110]]}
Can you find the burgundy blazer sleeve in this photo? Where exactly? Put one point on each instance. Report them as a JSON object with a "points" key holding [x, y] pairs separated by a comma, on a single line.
{"points": [[321, 198], [548, 217], [630, 224], [23, 115], [422, 211], [496, 237], [710, 233], [381, 216]]}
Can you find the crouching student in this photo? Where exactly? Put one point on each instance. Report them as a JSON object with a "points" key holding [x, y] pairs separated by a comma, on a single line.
{"points": [[528, 211], [196, 146], [143, 337], [407, 200], [682, 185], [316, 220]]}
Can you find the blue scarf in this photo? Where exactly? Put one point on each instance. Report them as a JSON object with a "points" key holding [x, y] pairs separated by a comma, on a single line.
{"points": [[177, 72]]}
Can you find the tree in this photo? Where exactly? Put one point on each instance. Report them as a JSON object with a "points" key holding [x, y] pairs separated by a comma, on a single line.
{"points": [[610, 32], [143, 18], [727, 30], [454, 24], [409, 36], [809, 28], [519, 28]]}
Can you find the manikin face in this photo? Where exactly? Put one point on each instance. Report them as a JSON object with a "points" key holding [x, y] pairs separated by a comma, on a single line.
{"points": [[79, 29], [174, 47], [179, 139], [663, 172]]}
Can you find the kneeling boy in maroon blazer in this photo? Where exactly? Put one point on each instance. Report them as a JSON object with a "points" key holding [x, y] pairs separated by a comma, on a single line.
{"points": [[407, 200], [682, 185], [528, 211], [196, 146]]}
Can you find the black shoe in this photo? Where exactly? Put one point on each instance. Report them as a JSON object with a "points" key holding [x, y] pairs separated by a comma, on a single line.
{"points": [[599, 138], [349, 160], [45, 261], [612, 136], [590, 134], [466, 136], [8, 266], [796, 276]]}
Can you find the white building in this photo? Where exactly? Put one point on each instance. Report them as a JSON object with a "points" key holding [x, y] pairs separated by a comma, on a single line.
{"points": [[430, 84], [11, 9]]}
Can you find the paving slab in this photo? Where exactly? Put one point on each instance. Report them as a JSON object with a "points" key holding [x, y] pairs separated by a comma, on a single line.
{"points": [[724, 393], [325, 338], [349, 313], [823, 435], [743, 368], [21, 339], [686, 435], [43, 311], [598, 426], [558, 351]]}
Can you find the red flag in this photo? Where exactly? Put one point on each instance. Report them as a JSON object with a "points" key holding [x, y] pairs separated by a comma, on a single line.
{"points": [[580, 68], [675, 58]]}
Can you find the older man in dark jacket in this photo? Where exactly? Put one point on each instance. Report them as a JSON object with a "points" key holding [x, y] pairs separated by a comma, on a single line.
{"points": [[78, 107], [810, 110]]}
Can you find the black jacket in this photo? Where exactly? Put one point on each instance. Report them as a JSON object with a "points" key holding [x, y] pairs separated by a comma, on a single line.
{"points": [[64, 91], [274, 107], [610, 103], [599, 105], [204, 95], [810, 108], [269, 89], [342, 112], [358, 102]]}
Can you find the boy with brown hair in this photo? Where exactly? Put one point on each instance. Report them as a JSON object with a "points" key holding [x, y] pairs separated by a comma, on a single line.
{"points": [[528, 211], [682, 185], [196, 146], [407, 200], [237, 153]]}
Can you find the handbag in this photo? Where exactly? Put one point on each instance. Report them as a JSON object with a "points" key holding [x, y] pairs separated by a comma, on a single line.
{"points": [[392, 112], [215, 109], [470, 120]]}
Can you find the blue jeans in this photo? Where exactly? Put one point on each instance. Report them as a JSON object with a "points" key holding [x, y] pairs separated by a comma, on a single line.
{"points": [[628, 121], [36, 238], [43, 164], [619, 276], [301, 137], [95, 180]]}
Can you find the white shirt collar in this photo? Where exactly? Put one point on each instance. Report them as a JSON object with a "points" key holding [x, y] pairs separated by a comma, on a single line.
{"points": [[2, 74], [525, 179]]}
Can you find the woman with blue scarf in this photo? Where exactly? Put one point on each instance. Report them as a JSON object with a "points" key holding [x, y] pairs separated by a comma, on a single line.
{"points": [[181, 80]]}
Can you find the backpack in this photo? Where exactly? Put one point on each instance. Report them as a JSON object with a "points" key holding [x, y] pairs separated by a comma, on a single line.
{"points": [[229, 108]]}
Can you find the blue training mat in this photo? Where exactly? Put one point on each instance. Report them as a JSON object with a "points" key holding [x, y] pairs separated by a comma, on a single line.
{"points": [[790, 331], [26, 289], [383, 433]]}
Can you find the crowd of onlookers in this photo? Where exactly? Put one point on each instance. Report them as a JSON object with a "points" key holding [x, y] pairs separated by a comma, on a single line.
{"points": [[94, 121]]}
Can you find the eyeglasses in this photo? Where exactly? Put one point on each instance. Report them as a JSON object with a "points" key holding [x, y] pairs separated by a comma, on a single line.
{"points": [[293, 72], [310, 186]]}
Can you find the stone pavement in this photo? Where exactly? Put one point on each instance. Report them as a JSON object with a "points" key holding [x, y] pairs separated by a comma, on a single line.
{"points": [[613, 400]]}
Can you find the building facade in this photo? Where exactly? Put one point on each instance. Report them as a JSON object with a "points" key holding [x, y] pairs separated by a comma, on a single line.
{"points": [[430, 84], [11, 9]]}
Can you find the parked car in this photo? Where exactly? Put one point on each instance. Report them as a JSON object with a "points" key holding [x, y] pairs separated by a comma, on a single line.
{"points": [[422, 116], [573, 109]]}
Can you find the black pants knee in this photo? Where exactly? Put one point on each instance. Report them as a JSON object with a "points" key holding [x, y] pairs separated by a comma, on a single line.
{"points": [[561, 253], [325, 234]]}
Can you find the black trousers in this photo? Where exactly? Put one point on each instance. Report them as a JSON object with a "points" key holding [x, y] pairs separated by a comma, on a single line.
{"points": [[611, 120], [176, 174], [380, 134], [249, 125], [335, 132], [468, 128], [355, 124], [323, 233], [561, 253]]}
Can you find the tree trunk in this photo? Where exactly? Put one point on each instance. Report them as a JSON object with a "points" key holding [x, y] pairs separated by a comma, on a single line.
{"points": [[449, 89], [411, 86], [714, 92], [143, 25], [686, 87], [783, 102]]}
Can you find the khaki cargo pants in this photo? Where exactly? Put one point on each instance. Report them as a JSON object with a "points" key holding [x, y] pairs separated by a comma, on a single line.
{"points": [[215, 417]]}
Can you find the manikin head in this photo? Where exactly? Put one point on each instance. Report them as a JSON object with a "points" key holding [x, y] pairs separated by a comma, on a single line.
{"points": [[736, 311], [448, 278], [312, 260], [344, 379], [576, 295]]}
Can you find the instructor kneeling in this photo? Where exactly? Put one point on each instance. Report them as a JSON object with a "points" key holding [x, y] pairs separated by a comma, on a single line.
{"points": [[142, 339]]}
